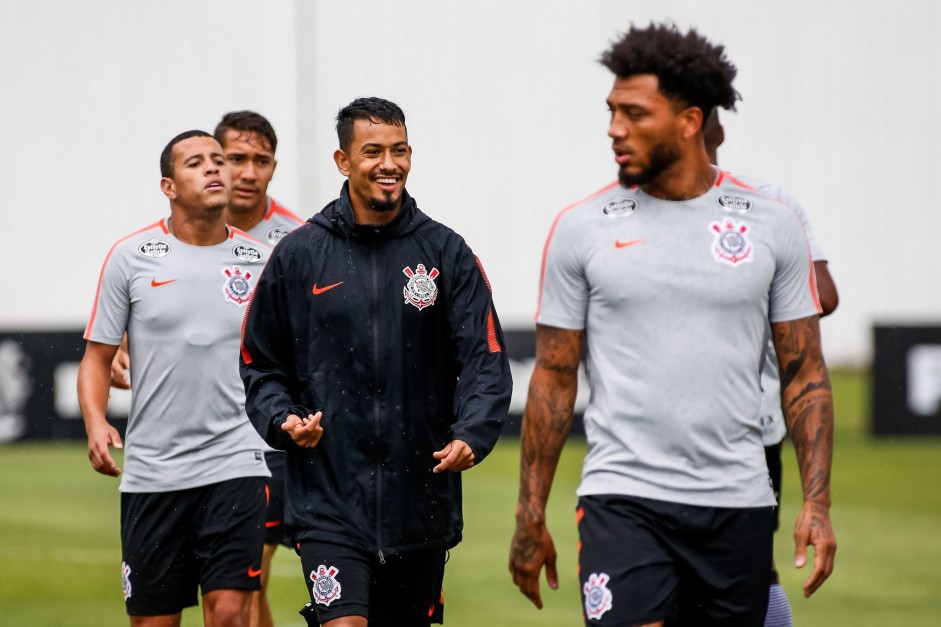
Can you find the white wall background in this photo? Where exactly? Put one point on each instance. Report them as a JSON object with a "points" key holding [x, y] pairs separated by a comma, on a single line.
{"points": [[506, 115]]}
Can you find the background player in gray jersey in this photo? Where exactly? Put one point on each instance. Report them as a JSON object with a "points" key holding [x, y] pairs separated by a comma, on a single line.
{"points": [[192, 503], [772, 418], [249, 143], [671, 279]]}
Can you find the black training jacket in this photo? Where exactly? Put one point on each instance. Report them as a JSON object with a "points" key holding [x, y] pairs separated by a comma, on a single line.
{"points": [[391, 332]]}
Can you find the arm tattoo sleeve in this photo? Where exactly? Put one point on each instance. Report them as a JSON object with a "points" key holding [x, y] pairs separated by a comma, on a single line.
{"points": [[807, 402], [548, 415]]}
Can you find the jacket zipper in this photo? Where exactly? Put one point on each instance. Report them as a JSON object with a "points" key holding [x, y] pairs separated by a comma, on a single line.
{"points": [[375, 403]]}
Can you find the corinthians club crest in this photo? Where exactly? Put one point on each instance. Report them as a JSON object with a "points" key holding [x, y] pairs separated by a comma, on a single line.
{"points": [[236, 288], [598, 597], [420, 290], [731, 244], [325, 588]]}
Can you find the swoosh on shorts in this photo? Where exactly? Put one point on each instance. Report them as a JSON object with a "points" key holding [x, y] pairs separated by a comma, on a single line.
{"points": [[252, 572]]}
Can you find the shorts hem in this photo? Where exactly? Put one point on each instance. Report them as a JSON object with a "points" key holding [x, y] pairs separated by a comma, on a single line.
{"points": [[168, 611], [326, 614], [241, 584]]}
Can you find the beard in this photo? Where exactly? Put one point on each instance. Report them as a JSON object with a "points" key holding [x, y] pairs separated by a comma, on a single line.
{"points": [[662, 157], [384, 205]]}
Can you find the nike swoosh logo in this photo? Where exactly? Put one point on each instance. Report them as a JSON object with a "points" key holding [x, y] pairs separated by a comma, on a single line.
{"points": [[320, 290], [620, 244], [253, 572], [155, 283]]}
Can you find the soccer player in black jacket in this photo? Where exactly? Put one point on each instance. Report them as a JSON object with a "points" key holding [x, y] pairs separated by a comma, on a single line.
{"points": [[373, 356]]}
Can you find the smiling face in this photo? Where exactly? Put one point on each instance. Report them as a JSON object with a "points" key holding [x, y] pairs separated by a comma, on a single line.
{"points": [[252, 163], [645, 127], [377, 164], [200, 180]]}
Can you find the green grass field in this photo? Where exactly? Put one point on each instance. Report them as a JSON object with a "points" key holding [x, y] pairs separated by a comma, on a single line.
{"points": [[60, 545]]}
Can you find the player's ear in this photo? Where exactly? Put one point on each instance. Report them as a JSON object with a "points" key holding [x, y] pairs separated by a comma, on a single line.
{"points": [[691, 120], [168, 187], [342, 161]]}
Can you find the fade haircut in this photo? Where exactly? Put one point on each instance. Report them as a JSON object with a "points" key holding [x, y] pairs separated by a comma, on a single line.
{"points": [[376, 110], [166, 157], [246, 122], [691, 70]]}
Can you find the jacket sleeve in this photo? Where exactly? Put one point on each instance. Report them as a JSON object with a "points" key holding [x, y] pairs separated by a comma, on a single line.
{"points": [[266, 361], [482, 397]]}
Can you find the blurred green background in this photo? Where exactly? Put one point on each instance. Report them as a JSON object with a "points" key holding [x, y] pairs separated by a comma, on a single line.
{"points": [[60, 547]]}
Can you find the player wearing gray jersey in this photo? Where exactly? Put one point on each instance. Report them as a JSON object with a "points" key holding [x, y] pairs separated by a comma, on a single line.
{"points": [[629, 268], [193, 478], [249, 143], [154, 285], [671, 279]]}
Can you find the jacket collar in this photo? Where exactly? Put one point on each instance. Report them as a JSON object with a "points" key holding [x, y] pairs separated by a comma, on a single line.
{"points": [[338, 216]]}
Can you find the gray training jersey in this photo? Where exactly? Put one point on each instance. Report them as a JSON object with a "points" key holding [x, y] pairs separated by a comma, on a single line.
{"points": [[182, 307], [277, 223], [675, 298], [773, 428]]}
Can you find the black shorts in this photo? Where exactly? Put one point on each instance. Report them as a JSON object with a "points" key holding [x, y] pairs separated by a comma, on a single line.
{"points": [[773, 457], [642, 560], [405, 591], [274, 491], [173, 543]]}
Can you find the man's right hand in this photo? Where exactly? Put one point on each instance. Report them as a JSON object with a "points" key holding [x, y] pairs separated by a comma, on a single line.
{"points": [[532, 547], [99, 439], [306, 432]]}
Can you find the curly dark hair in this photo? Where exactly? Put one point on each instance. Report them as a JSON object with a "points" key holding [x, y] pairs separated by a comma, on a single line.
{"points": [[377, 110], [690, 69], [246, 122]]}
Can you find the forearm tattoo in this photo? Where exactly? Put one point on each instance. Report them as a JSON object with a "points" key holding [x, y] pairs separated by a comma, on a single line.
{"points": [[548, 415], [807, 402]]}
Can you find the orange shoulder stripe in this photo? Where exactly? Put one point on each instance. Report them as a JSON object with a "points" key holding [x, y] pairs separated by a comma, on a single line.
{"points": [[555, 223], [161, 224]]}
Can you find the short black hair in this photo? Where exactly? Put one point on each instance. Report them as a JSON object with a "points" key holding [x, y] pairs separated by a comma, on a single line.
{"points": [[246, 122], [166, 157], [376, 110], [689, 68]]}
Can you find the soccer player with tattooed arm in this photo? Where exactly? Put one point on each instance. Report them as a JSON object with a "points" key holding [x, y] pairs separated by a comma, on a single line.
{"points": [[666, 282]]}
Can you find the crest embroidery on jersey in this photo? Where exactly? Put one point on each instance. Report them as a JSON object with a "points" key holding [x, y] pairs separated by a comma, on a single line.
{"points": [[237, 287], [420, 290], [325, 588], [598, 597], [731, 244]]}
